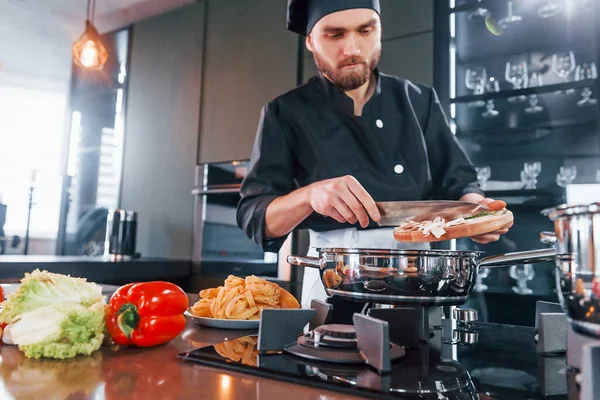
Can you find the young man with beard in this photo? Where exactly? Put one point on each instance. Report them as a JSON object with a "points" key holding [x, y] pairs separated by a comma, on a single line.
{"points": [[326, 151]]}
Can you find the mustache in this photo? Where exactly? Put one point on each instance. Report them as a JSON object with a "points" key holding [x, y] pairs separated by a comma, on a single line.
{"points": [[353, 60]]}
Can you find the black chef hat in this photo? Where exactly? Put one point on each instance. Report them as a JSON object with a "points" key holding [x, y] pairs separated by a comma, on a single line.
{"points": [[302, 15]]}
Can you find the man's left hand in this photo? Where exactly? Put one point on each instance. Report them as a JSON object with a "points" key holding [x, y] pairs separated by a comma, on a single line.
{"points": [[493, 205]]}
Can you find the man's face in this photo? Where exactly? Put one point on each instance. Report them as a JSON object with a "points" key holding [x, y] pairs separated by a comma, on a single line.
{"points": [[346, 46]]}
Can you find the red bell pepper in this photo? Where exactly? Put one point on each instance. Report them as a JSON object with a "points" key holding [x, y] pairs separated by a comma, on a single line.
{"points": [[146, 314]]}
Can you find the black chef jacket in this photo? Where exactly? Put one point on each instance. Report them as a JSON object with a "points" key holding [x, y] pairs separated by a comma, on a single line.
{"points": [[401, 148]]}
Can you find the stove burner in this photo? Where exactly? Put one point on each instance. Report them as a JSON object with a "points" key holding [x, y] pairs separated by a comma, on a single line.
{"points": [[335, 343], [335, 335]]}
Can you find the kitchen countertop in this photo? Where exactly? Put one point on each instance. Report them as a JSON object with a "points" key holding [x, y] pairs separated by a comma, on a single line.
{"points": [[503, 365], [135, 373], [97, 269]]}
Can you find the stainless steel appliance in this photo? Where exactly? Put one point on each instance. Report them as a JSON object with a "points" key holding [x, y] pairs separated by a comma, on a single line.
{"points": [[220, 247], [121, 233], [407, 276]]}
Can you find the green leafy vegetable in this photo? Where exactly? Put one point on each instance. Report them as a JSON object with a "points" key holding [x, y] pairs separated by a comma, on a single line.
{"points": [[54, 316], [42, 288], [481, 214]]}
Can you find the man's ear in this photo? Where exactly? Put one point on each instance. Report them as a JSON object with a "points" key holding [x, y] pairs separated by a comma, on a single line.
{"points": [[308, 43]]}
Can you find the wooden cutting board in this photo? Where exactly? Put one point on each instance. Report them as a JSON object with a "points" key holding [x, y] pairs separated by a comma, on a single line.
{"points": [[471, 227]]}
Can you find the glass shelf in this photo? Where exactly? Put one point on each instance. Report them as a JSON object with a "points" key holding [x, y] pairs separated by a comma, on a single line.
{"points": [[470, 5], [533, 76], [476, 39], [504, 94]]}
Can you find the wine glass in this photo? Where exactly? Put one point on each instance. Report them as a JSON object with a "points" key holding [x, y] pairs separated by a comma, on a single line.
{"points": [[530, 173], [483, 174], [535, 80], [583, 72], [510, 19], [491, 86], [598, 176], [522, 274], [563, 64], [566, 175], [516, 73], [481, 275], [475, 79], [479, 14], [551, 8]]}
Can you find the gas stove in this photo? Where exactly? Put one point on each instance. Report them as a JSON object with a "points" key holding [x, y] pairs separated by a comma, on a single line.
{"points": [[386, 352], [557, 337]]}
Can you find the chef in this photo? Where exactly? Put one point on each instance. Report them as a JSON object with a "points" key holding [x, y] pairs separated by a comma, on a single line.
{"points": [[327, 150]]}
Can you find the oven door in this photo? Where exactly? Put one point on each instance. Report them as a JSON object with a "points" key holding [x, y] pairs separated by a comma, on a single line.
{"points": [[221, 248]]}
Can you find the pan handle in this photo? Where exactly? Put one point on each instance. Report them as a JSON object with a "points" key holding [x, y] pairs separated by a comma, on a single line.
{"points": [[519, 257], [304, 261], [548, 237]]}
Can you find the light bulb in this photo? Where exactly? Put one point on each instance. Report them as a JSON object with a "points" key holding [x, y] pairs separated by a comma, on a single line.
{"points": [[89, 54], [88, 51]]}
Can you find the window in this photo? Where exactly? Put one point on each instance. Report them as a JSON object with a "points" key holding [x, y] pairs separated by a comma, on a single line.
{"points": [[32, 124]]}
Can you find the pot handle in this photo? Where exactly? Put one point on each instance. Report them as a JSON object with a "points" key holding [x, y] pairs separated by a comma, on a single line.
{"points": [[304, 261], [519, 257], [548, 237]]}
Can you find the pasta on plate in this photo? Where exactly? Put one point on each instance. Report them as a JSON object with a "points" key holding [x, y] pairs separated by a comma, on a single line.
{"points": [[242, 299]]}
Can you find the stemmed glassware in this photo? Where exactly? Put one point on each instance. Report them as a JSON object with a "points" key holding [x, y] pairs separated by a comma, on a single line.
{"points": [[475, 79], [563, 64], [483, 174], [535, 80], [522, 274], [479, 14], [566, 176], [551, 8], [516, 73], [530, 173], [479, 285], [491, 86], [583, 72], [511, 19]]}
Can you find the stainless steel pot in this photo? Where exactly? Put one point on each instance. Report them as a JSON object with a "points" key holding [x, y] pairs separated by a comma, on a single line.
{"points": [[577, 240], [423, 277]]}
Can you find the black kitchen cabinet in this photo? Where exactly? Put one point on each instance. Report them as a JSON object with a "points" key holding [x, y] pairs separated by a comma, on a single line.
{"points": [[519, 83], [249, 59], [161, 129]]}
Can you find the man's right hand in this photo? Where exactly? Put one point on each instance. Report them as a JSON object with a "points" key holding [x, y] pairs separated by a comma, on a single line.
{"points": [[343, 199]]}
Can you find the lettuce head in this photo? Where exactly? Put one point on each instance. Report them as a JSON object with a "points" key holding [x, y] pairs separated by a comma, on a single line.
{"points": [[55, 316]]}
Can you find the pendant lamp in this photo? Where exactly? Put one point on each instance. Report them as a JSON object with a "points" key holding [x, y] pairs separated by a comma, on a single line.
{"points": [[88, 50]]}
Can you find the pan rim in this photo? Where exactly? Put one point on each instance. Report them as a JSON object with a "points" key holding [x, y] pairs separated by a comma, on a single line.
{"points": [[399, 252]]}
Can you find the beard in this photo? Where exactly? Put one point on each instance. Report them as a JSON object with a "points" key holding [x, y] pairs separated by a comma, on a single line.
{"points": [[348, 78]]}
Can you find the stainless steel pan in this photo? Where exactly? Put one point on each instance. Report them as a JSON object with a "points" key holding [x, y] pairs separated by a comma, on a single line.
{"points": [[406, 276]]}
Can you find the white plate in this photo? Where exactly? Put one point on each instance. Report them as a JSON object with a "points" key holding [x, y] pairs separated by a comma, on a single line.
{"points": [[224, 323]]}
